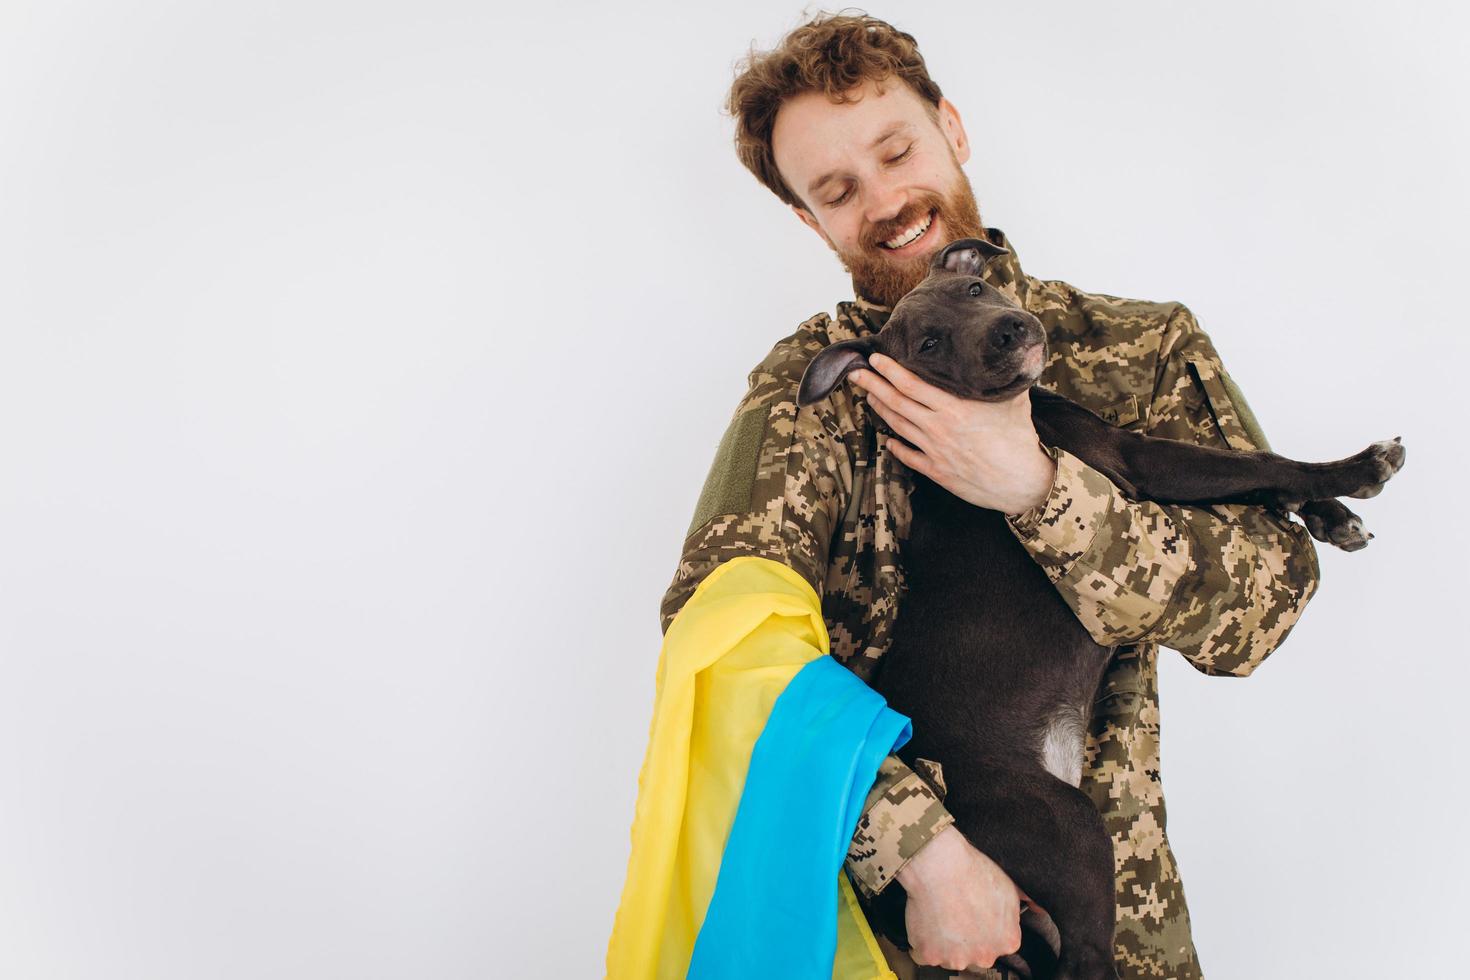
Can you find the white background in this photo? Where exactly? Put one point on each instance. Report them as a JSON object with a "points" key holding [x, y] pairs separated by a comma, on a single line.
{"points": [[362, 363]]}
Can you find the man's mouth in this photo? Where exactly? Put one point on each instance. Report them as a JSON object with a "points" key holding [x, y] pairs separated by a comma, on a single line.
{"points": [[912, 238]]}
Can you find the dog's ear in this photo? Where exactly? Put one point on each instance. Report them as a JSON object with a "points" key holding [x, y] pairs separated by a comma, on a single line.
{"points": [[966, 256], [825, 371]]}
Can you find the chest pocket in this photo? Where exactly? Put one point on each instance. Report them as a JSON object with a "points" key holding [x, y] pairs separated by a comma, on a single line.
{"points": [[1125, 413]]}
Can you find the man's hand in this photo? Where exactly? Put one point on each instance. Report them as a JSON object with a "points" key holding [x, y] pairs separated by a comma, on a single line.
{"points": [[963, 910], [986, 453]]}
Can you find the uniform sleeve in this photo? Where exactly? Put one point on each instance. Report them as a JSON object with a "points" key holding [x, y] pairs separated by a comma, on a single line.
{"points": [[778, 488], [1222, 583], [903, 812]]}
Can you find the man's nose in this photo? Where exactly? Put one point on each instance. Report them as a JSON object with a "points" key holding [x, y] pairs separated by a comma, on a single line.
{"points": [[887, 197]]}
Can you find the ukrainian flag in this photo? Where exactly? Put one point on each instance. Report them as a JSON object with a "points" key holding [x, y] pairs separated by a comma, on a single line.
{"points": [[761, 753]]}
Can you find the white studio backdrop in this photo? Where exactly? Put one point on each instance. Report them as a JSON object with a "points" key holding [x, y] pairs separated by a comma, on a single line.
{"points": [[362, 363]]}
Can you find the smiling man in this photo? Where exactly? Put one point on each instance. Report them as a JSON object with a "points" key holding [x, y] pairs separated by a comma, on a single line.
{"points": [[885, 203], [842, 122]]}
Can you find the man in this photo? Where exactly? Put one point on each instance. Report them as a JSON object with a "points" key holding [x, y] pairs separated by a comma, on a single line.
{"points": [[842, 122]]}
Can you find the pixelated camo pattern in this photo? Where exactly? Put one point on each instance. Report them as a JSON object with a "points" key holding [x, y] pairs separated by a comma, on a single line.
{"points": [[819, 490]]}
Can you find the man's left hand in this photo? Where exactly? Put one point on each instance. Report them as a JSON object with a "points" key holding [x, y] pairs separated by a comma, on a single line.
{"points": [[987, 453]]}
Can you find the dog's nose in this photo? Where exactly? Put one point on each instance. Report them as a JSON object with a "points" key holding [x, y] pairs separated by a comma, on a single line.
{"points": [[1007, 333]]}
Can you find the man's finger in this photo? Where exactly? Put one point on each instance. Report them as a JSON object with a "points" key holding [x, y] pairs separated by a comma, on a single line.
{"points": [[915, 388], [911, 457], [894, 400], [897, 421]]}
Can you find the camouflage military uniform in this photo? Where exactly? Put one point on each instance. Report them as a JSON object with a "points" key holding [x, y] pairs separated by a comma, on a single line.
{"points": [[819, 490]]}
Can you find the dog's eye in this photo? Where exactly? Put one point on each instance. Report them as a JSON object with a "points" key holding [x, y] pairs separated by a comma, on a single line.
{"points": [[928, 343], [976, 288]]}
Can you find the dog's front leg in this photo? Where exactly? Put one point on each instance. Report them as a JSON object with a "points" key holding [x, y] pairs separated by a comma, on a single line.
{"points": [[1360, 475], [1169, 471]]}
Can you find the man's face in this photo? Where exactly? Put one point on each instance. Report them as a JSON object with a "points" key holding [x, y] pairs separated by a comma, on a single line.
{"points": [[887, 167]]}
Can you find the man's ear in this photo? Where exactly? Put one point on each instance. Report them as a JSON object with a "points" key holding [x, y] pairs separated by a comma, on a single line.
{"points": [[811, 222], [954, 127], [966, 256], [825, 371]]}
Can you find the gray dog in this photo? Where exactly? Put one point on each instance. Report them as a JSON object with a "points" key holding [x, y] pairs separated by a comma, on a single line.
{"points": [[994, 669]]}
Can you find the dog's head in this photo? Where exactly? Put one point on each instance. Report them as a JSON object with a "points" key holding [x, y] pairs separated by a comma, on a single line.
{"points": [[954, 330]]}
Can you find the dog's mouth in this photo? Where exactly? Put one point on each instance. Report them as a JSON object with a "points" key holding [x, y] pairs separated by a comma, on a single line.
{"points": [[1029, 370]]}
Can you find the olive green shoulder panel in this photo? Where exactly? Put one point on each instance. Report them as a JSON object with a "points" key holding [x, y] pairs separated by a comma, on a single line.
{"points": [[730, 483], [731, 478]]}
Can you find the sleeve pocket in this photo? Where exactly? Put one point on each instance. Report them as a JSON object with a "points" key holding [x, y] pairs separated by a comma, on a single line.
{"points": [[1233, 419]]}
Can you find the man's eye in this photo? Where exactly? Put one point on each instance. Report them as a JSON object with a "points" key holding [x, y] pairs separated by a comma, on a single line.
{"points": [[848, 193], [928, 343]]}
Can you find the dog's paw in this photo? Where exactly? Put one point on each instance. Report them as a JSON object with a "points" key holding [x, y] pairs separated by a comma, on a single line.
{"points": [[1330, 521], [1375, 465], [1349, 535]]}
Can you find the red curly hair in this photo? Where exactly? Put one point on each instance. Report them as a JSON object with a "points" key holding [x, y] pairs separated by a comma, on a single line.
{"points": [[831, 53]]}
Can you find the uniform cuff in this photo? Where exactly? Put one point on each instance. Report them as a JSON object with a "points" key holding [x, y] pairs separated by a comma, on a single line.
{"points": [[892, 831], [1062, 527]]}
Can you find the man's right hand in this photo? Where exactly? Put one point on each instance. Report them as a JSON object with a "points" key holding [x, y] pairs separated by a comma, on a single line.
{"points": [[963, 910]]}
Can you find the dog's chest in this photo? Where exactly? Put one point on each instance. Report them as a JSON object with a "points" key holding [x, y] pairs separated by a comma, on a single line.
{"points": [[967, 571], [985, 649]]}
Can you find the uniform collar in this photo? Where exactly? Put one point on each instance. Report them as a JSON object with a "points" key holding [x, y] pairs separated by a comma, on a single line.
{"points": [[1003, 272]]}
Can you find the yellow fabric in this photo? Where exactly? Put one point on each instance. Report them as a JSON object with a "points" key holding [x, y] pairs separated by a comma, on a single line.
{"points": [[739, 639], [858, 955]]}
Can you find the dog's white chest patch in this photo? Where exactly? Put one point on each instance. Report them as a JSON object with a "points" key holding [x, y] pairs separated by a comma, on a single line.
{"points": [[1062, 743]]}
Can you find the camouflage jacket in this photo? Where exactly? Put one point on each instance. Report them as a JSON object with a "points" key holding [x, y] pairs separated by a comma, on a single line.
{"points": [[818, 489]]}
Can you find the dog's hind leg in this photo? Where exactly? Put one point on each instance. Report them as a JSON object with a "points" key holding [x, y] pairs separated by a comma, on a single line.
{"points": [[1050, 839], [1040, 945]]}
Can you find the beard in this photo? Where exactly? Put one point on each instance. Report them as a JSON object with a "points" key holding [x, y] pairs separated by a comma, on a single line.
{"points": [[882, 279]]}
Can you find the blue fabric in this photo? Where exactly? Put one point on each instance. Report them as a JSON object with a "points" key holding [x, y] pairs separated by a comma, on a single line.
{"points": [[774, 908]]}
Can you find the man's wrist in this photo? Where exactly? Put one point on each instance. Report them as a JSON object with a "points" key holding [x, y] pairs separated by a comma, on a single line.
{"points": [[1061, 531], [912, 876], [1026, 517]]}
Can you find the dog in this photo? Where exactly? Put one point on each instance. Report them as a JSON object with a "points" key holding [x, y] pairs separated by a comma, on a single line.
{"points": [[993, 668]]}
